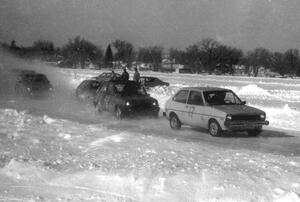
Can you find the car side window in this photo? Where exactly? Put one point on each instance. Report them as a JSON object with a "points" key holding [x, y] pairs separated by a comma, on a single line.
{"points": [[195, 98], [181, 96]]}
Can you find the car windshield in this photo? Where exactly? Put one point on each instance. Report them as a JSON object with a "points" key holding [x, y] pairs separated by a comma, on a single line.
{"points": [[129, 89], [221, 98], [39, 78], [94, 84]]}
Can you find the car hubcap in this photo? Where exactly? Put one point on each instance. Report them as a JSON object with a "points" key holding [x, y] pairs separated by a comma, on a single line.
{"points": [[213, 128], [174, 122]]}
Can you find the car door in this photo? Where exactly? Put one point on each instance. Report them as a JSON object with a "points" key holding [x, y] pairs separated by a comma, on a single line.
{"points": [[108, 100], [179, 105], [101, 93], [196, 109]]}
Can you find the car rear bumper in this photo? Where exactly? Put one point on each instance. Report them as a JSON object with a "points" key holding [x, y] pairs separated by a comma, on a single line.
{"points": [[244, 125]]}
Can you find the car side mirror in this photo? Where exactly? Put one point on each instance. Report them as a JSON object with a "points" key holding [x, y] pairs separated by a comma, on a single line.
{"points": [[243, 102]]}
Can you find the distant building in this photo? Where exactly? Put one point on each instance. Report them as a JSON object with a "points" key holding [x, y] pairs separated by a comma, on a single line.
{"points": [[142, 66], [167, 65], [269, 73], [239, 70]]}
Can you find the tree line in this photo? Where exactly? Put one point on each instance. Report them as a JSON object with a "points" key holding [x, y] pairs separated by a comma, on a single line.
{"points": [[208, 55]]}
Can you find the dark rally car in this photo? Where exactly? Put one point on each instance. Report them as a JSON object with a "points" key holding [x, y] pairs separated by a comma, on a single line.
{"points": [[125, 99], [149, 82], [33, 85], [106, 76], [86, 91]]}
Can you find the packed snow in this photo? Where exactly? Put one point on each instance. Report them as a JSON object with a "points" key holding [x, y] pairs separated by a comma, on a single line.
{"points": [[60, 150]]}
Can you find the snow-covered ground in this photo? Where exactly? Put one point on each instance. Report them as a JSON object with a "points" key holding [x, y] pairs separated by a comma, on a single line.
{"points": [[59, 150]]}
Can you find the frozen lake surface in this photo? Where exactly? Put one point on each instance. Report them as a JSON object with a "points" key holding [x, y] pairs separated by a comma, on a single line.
{"points": [[60, 150]]}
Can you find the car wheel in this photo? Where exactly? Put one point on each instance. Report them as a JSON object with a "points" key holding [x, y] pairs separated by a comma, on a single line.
{"points": [[175, 122], [214, 128], [118, 113], [254, 132]]}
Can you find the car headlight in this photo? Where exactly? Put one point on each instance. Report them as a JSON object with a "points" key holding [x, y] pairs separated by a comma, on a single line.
{"points": [[262, 116], [127, 103], [29, 89], [229, 117]]}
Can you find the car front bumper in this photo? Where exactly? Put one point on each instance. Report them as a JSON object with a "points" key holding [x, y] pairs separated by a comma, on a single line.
{"points": [[147, 112], [244, 125], [40, 95]]}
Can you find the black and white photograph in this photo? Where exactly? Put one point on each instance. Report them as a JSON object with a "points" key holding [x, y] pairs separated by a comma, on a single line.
{"points": [[150, 100]]}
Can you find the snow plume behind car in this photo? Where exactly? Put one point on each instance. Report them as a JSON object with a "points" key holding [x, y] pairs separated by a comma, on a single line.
{"points": [[62, 104]]}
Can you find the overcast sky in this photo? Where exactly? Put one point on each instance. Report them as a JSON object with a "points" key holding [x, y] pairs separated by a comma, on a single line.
{"points": [[246, 24]]}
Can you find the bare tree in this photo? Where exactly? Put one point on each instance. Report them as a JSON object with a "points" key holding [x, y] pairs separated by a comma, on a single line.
{"points": [[78, 51], [259, 57], [152, 54], [125, 51]]}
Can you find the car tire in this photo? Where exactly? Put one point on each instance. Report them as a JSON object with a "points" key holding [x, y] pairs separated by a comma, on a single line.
{"points": [[254, 132], [214, 128], [118, 113], [175, 122]]}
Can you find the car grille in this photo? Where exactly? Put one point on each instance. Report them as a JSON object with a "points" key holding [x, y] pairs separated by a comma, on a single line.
{"points": [[140, 105], [245, 117]]}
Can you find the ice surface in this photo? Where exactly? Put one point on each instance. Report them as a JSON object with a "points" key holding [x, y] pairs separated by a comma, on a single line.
{"points": [[60, 150], [72, 161]]}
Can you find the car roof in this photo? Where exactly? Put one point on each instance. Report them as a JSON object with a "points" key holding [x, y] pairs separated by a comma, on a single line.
{"points": [[122, 82], [207, 88], [90, 80], [108, 73], [152, 77]]}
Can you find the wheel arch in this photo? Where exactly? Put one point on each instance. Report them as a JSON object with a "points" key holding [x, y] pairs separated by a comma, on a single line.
{"points": [[172, 113], [212, 119]]}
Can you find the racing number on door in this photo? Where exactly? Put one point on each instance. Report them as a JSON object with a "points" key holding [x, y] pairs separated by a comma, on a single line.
{"points": [[191, 111]]}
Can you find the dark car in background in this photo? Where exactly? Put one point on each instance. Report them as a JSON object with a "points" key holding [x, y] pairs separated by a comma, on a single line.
{"points": [[150, 82], [33, 85], [106, 76], [86, 90], [125, 99]]}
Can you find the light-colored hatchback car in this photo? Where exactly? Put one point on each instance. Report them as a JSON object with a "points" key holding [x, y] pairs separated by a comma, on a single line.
{"points": [[216, 109]]}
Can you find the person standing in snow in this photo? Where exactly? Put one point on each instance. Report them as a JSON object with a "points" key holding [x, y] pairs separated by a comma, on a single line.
{"points": [[136, 76], [125, 75]]}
